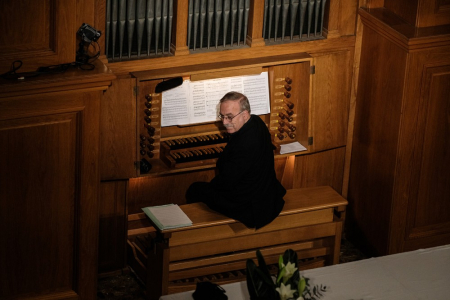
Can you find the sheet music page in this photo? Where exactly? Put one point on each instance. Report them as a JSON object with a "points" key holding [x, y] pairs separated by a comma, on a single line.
{"points": [[256, 88], [197, 101], [175, 102], [205, 96]]}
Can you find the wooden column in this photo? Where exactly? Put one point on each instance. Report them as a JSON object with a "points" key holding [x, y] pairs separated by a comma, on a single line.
{"points": [[255, 24], [179, 33]]}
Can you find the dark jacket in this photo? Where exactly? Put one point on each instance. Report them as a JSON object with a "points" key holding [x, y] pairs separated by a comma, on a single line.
{"points": [[245, 187]]}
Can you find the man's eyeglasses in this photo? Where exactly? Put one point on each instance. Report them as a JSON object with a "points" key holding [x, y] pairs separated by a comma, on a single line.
{"points": [[229, 118]]}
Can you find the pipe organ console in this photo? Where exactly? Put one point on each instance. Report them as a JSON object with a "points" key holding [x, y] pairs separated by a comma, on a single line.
{"points": [[167, 149]]}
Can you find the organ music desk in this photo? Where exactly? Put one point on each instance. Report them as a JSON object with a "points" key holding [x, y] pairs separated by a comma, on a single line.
{"points": [[170, 148]]}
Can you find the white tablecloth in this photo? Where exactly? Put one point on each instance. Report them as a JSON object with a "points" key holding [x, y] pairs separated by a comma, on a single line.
{"points": [[421, 274]]}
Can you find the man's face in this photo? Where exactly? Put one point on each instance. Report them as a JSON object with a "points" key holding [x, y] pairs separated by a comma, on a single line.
{"points": [[230, 109]]}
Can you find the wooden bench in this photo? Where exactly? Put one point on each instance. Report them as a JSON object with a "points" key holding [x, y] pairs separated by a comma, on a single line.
{"points": [[216, 248]]}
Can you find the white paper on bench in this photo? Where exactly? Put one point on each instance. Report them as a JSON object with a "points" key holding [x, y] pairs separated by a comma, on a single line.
{"points": [[167, 216], [292, 147]]}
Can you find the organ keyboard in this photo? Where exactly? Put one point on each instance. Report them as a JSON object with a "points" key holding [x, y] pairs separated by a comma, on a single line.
{"points": [[187, 151]]}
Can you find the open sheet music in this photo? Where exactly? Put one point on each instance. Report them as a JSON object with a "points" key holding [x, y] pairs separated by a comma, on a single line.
{"points": [[197, 101]]}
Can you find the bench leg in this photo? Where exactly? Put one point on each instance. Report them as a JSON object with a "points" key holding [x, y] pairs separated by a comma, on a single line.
{"points": [[334, 244], [158, 271]]}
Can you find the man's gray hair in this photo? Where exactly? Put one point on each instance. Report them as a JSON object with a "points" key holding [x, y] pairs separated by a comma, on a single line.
{"points": [[236, 96]]}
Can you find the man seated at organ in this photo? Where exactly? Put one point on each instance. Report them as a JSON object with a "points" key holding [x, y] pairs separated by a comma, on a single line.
{"points": [[245, 187]]}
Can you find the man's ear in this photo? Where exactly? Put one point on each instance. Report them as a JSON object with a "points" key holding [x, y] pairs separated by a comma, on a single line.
{"points": [[246, 115]]}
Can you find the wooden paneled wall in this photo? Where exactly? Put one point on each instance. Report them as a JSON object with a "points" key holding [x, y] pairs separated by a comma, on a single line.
{"points": [[397, 185], [49, 182]]}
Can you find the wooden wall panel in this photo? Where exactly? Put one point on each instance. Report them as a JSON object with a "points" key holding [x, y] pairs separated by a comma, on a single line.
{"points": [[372, 3], [352, 102], [431, 205], [100, 22], [48, 192], [375, 149], [323, 168], [433, 13], [37, 32], [284, 169], [406, 9], [35, 231], [340, 18], [118, 131], [47, 37], [112, 234], [420, 198], [86, 13], [421, 13], [329, 106]]}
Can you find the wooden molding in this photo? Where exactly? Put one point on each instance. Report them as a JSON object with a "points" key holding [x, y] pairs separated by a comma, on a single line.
{"points": [[403, 34]]}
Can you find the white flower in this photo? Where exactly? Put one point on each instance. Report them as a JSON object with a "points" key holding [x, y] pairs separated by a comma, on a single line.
{"points": [[290, 269], [285, 291]]}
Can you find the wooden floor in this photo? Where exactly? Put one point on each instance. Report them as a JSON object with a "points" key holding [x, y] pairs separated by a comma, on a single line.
{"points": [[126, 286]]}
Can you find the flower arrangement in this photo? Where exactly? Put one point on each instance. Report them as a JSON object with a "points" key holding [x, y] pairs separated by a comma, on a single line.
{"points": [[288, 283]]}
